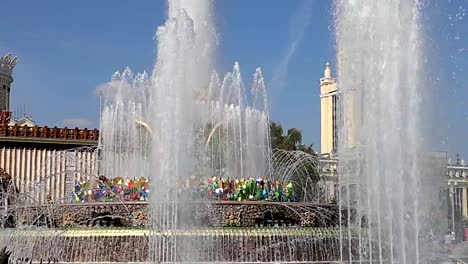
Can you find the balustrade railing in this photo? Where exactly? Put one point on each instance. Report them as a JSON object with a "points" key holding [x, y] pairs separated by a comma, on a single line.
{"points": [[48, 132]]}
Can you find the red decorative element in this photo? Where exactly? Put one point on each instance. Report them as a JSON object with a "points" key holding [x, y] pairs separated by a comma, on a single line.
{"points": [[131, 184], [45, 132], [5, 117]]}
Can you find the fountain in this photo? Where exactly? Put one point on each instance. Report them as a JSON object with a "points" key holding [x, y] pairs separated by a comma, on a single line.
{"points": [[184, 113], [124, 137], [389, 185], [183, 123], [178, 125]]}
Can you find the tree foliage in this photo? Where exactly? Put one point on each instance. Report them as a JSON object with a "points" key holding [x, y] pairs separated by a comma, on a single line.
{"points": [[292, 140], [287, 148]]}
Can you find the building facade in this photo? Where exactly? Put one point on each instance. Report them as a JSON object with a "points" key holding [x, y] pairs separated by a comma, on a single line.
{"points": [[328, 112], [41, 161], [457, 185], [456, 173]]}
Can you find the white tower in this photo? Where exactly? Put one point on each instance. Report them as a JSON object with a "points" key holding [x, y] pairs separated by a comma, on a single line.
{"points": [[7, 64], [328, 112]]}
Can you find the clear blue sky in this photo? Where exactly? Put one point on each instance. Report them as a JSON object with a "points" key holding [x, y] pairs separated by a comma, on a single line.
{"points": [[67, 48]]}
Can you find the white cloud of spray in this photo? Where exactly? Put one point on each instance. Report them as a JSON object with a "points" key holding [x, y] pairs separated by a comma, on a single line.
{"points": [[298, 24]]}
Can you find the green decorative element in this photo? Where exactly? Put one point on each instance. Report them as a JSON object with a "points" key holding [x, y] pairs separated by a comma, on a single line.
{"points": [[258, 194], [251, 190]]}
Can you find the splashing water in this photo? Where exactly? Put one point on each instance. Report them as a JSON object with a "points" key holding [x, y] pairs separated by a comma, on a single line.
{"points": [[179, 123], [184, 122], [184, 112], [382, 163], [124, 139]]}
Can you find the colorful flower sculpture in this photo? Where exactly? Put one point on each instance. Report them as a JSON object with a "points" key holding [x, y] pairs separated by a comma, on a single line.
{"points": [[251, 190], [124, 190], [115, 190]]}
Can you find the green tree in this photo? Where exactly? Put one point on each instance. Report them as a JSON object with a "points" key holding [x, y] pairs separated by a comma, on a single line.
{"points": [[290, 141], [305, 173], [276, 135]]}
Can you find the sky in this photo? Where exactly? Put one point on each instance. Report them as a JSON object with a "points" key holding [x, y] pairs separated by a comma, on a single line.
{"points": [[68, 48]]}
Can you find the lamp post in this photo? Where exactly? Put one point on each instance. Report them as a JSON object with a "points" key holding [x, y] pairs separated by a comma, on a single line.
{"points": [[101, 94]]}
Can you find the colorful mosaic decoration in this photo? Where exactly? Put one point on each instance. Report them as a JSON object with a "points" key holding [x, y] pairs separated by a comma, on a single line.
{"points": [[251, 190], [115, 190], [125, 190]]}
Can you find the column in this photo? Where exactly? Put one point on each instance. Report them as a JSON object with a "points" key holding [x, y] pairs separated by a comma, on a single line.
{"points": [[464, 203], [7, 103]]}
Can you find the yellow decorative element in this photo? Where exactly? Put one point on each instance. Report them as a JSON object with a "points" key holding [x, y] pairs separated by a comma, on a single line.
{"points": [[208, 140], [118, 181], [308, 219], [232, 219], [68, 219], [145, 125], [120, 232]]}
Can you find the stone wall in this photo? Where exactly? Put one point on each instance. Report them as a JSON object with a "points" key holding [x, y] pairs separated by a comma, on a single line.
{"points": [[256, 214], [212, 214]]}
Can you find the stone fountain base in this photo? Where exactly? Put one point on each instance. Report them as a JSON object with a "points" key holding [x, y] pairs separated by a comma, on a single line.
{"points": [[219, 231], [207, 214], [203, 245]]}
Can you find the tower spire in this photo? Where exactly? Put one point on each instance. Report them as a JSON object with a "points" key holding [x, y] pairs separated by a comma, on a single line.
{"points": [[7, 64], [327, 71]]}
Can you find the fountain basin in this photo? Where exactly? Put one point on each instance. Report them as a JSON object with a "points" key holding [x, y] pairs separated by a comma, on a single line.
{"points": [[220, 245], [205, 214]]}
